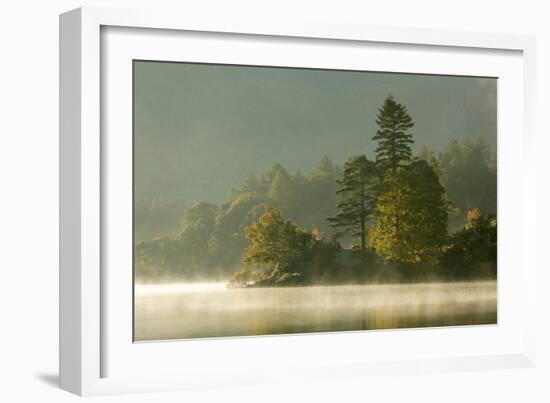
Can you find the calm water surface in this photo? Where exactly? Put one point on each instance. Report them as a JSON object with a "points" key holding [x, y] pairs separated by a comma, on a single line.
{"points": [[178, 311]]}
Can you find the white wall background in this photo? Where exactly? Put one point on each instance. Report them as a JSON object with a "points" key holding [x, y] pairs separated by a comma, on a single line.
{"points": [[29, 201]]}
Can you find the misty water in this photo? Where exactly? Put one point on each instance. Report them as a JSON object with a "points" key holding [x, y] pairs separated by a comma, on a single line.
{"points": [[178, 311]]}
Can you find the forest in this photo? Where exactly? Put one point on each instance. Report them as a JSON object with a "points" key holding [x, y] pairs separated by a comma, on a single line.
{"points": [[403, 216]]}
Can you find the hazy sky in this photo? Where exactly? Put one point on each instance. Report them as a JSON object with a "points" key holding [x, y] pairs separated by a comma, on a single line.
{"points": [[200, 129]]}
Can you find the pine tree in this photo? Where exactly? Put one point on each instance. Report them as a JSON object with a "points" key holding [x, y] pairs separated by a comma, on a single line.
{"points": [[394, 139], [357, 198], [324, 170]]}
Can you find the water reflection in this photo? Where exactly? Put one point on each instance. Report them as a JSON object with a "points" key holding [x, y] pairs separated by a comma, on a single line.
{"points": [[176, 311]]}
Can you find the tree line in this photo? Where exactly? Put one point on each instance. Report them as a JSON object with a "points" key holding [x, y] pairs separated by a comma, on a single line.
{"points": [[398, 217]]}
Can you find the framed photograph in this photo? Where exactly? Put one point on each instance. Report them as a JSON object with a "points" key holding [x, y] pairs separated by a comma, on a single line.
{"points": [[253, 202]]}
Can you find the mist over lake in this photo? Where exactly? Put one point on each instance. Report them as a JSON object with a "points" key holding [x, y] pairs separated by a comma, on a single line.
{"points": [[180, 311], [270, 200]]}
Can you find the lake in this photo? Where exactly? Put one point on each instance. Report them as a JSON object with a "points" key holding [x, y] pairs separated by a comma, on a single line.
{"points": [[178, 311]]}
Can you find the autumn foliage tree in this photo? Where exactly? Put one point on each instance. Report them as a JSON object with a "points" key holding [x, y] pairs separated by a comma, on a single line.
{"points": [[397, 205], [411, 215], [275, 244]]}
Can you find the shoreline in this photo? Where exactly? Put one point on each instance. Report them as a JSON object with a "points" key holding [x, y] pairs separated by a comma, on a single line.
{"points": [[224, 284]]}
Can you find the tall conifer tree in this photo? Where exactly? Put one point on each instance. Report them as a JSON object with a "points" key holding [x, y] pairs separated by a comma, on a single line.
{"points": [[357, 198], [394, 139]]}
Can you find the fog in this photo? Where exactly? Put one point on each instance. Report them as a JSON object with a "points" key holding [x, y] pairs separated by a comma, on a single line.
{"points": [[200, 310], [201, 129]]}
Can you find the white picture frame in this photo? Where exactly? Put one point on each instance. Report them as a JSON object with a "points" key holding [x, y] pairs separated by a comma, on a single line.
{"points": [[89, 341]]}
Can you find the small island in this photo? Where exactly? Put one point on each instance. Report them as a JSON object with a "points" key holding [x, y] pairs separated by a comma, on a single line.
{"points": [[275, 200], [400, 218]]}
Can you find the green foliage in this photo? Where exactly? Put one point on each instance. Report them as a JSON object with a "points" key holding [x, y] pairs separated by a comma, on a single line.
{"points": [[398, 204], [276, 243], [474, 248], [197, 226], [227, 242], [411, 207], [157, 217], [326, 170], [198, 219], [212, 239], [435, 162], [315, 196], [393, 137], [252, 185], [281, 253], [306, 198], [162, 259], [411, 216], [472, 177], [281, 187], [356, 191]]}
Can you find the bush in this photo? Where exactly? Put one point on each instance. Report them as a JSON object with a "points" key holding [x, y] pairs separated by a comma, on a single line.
{"points": [[472, 252]]}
